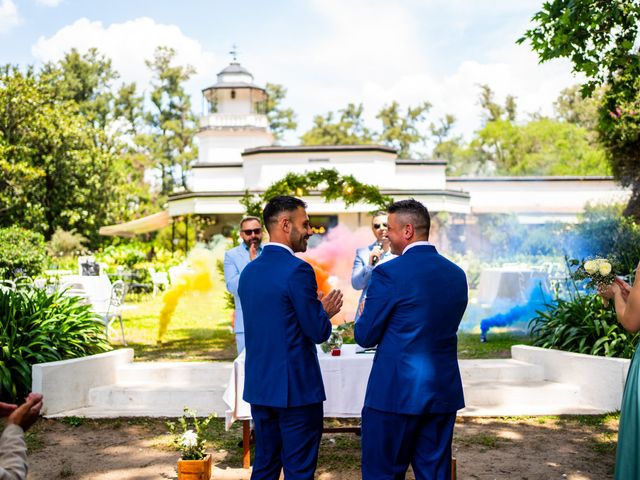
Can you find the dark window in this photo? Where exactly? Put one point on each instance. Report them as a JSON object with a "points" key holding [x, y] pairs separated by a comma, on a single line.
{"points": [[233, 94]]}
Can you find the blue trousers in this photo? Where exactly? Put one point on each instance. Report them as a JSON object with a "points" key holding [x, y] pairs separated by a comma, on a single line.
{"points": [[286, 438], [392, 441], [240, 342]]}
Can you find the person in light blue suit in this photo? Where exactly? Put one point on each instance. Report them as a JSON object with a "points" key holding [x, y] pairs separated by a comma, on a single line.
{"points": [[284, 320], [414, 306], [369, 257], [235, 260]]}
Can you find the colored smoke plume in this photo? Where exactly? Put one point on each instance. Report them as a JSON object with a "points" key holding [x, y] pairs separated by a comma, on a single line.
{"points": [[197, 277], [332, 261]]}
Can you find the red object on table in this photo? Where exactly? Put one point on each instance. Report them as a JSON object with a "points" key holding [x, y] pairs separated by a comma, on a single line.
{"points": [[335, 352]]}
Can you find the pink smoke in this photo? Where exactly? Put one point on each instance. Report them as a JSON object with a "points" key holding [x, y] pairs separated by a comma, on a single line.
{"points": [[336, 254]]}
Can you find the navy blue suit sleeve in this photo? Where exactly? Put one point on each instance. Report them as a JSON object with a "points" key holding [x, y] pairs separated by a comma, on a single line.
{"points": [[379, 304], [361, 272], [311, 316]]}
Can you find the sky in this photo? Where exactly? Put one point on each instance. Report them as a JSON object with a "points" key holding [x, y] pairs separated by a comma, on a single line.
{"points": [[327, 53]]}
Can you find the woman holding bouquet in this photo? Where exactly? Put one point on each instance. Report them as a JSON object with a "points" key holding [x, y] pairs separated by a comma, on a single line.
{"points": [[627, 303]]}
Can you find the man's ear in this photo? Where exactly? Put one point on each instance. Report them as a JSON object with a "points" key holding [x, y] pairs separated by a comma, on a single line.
{"points": [[286, 224]]}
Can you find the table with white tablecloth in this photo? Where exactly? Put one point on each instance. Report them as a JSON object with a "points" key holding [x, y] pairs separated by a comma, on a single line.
{"points": [[510, 283], [345, 382]]}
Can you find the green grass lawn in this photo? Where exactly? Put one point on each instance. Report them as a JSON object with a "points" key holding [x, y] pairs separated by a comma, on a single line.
{"points": [[200, 329], [498, 345]]}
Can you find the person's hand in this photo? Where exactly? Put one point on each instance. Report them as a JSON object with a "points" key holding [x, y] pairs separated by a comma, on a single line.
{"points": [[6, 409], [26, 414], [625, 288], [376, 253], [253, 251], [332, 302]]}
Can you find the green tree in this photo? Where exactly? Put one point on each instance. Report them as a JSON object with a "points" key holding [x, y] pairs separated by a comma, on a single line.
{"points": [[402, 130], [571, 106], [347, 129], [280, 119], [171, 121], [52, 172], [600, 39]]}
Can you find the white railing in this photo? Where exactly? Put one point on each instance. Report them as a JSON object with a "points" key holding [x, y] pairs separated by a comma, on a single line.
{"points": [[229, 120]]}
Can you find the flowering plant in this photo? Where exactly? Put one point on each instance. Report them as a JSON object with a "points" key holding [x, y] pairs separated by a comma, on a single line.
{"points": [[190, 442], [598, 272]]}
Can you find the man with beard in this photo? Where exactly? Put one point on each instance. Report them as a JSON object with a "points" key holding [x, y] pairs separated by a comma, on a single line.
{"points": [[234, 262], [284, 319], [412, 313], [369, 257]]}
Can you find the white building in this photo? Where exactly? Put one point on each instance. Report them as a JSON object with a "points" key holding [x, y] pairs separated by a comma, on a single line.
{"points": [[237, 154]]}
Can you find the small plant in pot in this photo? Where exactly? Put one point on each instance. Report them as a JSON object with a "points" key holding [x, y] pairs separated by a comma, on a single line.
{"points": [[188, 437]]}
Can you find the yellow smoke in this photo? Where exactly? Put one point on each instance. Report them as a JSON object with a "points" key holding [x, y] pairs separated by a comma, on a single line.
{"points": [[198, 277]]}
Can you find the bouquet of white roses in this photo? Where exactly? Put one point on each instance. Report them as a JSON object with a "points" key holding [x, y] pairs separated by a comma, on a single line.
{"points": [[598, 272], [191, 442]]}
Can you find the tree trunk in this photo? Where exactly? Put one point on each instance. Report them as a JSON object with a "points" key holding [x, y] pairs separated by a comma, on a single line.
{"points": [[633, 207]]}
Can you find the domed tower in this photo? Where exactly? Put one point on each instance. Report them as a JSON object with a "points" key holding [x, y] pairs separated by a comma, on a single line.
{"points": [[235, 118]]}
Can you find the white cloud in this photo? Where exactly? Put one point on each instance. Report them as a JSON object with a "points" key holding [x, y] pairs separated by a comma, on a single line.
{"points": [[9, 16], [128, 45], [49, 3]]}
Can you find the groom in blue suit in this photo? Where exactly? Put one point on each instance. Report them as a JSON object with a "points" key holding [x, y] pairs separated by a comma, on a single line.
{"points": [[412, 313], [283, 321]]}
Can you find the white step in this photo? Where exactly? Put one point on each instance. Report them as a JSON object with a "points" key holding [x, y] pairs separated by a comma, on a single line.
{"points": [[162, 400], [500, 370], [523, 398], [214, 374]]}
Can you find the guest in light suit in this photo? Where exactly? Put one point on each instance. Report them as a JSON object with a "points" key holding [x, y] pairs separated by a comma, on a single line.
{"points": [[413, 309], [369, 257], [235, 260], [283, 321]]}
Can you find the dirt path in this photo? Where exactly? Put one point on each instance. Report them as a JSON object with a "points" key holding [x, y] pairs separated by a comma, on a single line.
{"points": [[574, 448]]}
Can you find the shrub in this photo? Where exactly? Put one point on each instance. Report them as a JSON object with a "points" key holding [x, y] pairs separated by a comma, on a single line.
{"points": [[582, 324], [64, 243], [22, 252], [37, 327], [126, 255]]}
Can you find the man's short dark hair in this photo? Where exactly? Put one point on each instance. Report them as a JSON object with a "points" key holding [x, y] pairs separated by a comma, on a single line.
{"points": [[417, 214], [277, 205], [249, 218]]}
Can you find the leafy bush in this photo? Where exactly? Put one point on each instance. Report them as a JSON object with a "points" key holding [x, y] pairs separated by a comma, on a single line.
{"points": [[605, 232], [582, 324], [37, 327], [64, 243], [22, 252], [128, 255]]}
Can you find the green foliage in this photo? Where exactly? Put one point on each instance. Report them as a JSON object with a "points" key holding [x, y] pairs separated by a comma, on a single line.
{"points": [[582, 324], [328, 181], [129, 255], [605, 232], [191, 441], [36, 327], [22, 252], [348, 129], [172, 123], [600, 39], [280, 119], [402, 131], [57, 169], [64, 244]]}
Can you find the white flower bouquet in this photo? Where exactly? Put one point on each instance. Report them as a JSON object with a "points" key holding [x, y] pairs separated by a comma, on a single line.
{"points": [[189, 438], [598, 271]]}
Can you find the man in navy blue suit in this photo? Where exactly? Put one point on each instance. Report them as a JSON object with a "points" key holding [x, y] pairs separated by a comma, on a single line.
{"points": [[283, 321], [412, 313]]}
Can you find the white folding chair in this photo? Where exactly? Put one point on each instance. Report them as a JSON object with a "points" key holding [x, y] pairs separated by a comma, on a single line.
{"points": [[114, 306]]}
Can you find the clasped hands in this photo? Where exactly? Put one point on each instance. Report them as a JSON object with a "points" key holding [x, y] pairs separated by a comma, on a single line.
{"points": [[331, 302], [24, 415]]}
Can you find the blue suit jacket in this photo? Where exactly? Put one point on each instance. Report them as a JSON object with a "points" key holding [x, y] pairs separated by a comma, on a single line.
{"points": [[414, 306], [283, 321], [235, 259]]}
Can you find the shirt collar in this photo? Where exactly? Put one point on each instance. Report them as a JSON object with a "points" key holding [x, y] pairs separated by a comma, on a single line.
{"points": [[415, 244], [281, 245]]}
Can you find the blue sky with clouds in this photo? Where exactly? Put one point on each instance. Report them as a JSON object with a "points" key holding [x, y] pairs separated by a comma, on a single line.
{"points": [[325, 52]]}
